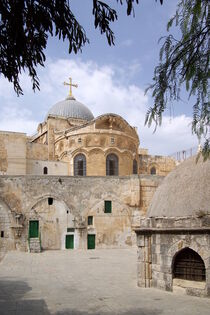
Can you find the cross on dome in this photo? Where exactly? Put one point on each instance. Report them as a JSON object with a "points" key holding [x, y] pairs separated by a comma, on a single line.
{"points": [[70, 84]]}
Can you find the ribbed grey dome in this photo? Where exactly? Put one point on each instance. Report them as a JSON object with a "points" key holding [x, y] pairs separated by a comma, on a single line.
{"points": [[184, 192], [70, 108]]}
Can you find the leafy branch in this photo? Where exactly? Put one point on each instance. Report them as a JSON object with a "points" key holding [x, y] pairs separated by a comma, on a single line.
{"points": [[185, 61]]}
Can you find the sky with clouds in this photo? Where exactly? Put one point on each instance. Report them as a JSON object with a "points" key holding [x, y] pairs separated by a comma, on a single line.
{"points": [[110, 79]]}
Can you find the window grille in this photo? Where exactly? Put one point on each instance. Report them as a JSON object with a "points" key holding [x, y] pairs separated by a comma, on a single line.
{"points": [[112, 165], [70, 229], [80, 165], [90, 220], [189, 265], [107, 206]]}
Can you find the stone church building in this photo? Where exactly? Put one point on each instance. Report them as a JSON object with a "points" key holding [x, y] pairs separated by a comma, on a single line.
{"points": [[82, 183]]}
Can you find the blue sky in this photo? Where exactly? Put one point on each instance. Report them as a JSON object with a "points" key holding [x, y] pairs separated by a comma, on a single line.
{"points": [[110, 79]]}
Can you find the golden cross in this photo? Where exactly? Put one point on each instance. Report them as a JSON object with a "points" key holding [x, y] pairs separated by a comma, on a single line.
{"points": [[70, 86]]}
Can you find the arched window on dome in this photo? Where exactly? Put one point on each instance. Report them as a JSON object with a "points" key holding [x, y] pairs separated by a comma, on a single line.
{"points": [[153, 171], [112, 165], [189, 265], [45, 170], [80, 165], [135, 167]]}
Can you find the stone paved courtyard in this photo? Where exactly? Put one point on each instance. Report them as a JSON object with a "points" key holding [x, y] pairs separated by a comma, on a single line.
{"points": [[97, 282]]}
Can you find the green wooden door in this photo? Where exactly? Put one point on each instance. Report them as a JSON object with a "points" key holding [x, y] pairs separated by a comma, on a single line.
{"points": [[33, 229], [91, 241], [70, 241]]}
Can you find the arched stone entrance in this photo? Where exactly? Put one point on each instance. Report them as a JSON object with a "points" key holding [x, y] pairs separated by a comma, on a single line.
{"points": [[53, 220], [188, 265], [6, 236]]}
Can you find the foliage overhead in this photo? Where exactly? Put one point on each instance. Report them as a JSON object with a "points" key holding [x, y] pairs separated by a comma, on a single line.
{"points": [[185, 61], [25, 26]]}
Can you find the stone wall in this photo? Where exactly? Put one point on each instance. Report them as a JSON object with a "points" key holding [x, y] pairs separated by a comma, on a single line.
{"points": [[12, 153], [37, 151], [74, 199], [148, 186], [162, 164], [36, 167], [28, 196]]}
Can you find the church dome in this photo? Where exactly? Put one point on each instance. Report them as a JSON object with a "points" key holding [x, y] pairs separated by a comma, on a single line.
{"points": [[184, 192], [70, 108]]}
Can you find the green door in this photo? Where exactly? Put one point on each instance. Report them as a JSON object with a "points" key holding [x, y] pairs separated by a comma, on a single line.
{"points": [[33, 229], [70, 241], [91, 241]]}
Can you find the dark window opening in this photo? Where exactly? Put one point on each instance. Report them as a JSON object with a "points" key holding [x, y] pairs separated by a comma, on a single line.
{"points": [[189, 265], [90, 220], [67, 211], [70, 229], [80, 165], [2, 233], [50, 201], [112, 165], [107, 206], [153, 171], [135, 167], [45, 170]]}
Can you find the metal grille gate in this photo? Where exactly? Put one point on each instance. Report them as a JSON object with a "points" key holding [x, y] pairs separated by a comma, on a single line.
{"points": [[189, 265]]}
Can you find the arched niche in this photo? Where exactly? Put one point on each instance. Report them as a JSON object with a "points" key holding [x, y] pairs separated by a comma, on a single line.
{"points": [[188, 265], [153, 170], [54, 219]]}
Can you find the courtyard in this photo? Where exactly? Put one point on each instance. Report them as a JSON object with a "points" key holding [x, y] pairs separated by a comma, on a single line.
{"points": [[76, 282]]}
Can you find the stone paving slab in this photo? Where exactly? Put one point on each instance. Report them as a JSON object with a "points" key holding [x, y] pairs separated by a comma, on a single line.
{"points": [[97, 282]]}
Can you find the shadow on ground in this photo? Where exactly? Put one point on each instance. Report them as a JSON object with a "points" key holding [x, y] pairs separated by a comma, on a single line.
{"points": [[139, 311], [13, 302]]}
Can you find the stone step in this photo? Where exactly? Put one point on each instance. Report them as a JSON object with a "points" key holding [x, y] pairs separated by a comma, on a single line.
{"points": [[34, 245]]}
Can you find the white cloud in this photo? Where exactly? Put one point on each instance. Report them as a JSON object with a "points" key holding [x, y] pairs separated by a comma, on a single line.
{"points": [[103, 89], [127, 43]]}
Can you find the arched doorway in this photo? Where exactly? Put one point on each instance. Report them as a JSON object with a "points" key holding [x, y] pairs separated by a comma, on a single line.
{"points": [[51, 220], [112, 164], [188, 265]]}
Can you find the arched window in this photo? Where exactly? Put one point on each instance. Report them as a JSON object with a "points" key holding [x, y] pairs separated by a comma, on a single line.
{"points": [[135, 167], [153, 171], [189, 265], [80, 165], [45, 170], [112, 164]]}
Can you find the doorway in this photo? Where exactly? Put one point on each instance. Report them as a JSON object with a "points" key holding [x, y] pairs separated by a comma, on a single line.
{"points": [[91, 241], [33, 229], [70, 241]]}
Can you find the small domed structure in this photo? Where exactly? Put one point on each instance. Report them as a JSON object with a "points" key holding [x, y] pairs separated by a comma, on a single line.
{"points": [[70, 108], [173, 240], [184, 192]]}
